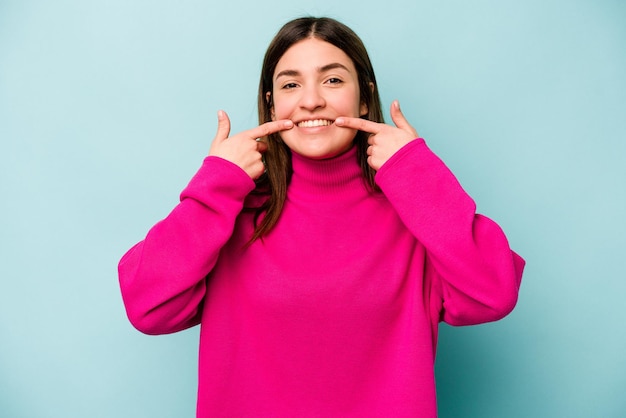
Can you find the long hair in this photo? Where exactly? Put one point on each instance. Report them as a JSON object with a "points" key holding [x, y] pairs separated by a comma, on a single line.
{"points": [[273, 183]]}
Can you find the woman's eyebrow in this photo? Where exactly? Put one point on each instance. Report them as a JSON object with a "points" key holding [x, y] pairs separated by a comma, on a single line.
{"points": [[332, 66], [287, 73], [322, 69]]}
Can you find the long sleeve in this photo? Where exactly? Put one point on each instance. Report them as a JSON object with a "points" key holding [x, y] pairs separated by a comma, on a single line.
{"points": [[477, 274], [162, 278]]}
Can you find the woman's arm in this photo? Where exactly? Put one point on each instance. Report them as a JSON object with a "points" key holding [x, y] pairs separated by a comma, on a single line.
{"points": [[478, 273], [162, 278]]}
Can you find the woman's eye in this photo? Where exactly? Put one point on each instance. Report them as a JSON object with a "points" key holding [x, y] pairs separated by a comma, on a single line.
{"points": [[334, 80], [290, 86]]}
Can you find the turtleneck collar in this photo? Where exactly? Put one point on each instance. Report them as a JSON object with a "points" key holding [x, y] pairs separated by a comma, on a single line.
{"points": [[337, 177]]}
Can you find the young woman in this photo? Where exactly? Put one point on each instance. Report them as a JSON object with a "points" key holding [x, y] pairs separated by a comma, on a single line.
{"points": [[319, 250]]}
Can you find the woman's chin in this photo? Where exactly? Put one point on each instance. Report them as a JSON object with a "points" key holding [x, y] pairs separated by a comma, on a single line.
{"points": [[319, 148]]}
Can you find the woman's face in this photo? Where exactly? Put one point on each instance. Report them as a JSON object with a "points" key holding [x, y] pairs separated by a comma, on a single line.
{"points": [[314, 83]]}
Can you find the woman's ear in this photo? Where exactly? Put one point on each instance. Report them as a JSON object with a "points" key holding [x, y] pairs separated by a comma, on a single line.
{"points": [[364, 107], [268, 99]]}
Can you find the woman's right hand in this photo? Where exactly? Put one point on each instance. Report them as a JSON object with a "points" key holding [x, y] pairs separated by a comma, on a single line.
{"points": [[244, 149]]}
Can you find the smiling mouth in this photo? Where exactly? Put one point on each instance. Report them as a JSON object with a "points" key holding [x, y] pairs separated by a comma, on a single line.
{"points": [[314, 123]]}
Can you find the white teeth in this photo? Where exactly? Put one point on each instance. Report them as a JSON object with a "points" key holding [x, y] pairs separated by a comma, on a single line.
{"points": [[314, 123]]}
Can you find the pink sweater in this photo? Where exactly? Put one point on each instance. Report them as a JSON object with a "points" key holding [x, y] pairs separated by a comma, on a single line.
{"points": [[335, 312]]}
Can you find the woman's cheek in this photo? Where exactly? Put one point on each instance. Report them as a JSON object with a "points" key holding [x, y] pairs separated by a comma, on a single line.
{"points": [[283, 108]]}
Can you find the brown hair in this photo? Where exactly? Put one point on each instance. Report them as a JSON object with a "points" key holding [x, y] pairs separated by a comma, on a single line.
{"points": [[275, 180]]}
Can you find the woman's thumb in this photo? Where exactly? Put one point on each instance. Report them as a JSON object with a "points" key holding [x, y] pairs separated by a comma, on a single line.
{"points": [[399, 120], [223, 126]]}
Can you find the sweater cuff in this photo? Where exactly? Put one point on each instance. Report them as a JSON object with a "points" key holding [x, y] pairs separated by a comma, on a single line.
{"points": [[217, 175], [406, 151]]}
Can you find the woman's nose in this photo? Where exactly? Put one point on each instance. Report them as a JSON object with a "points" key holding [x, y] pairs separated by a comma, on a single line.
{"points": [[312, 98]]}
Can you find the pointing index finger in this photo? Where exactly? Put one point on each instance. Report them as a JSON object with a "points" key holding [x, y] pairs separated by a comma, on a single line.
{"points": [[358, 123], [269, 128]]}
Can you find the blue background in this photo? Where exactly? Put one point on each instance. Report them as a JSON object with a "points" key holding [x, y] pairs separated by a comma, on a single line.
{"points": [[107, 108]]}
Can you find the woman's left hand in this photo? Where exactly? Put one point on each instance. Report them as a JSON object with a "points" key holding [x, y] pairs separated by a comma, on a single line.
{"points": [[385, 139]]}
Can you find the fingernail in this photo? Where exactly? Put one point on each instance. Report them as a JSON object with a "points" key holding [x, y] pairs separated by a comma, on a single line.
{"points": [[288, 124], [339, 121]]}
